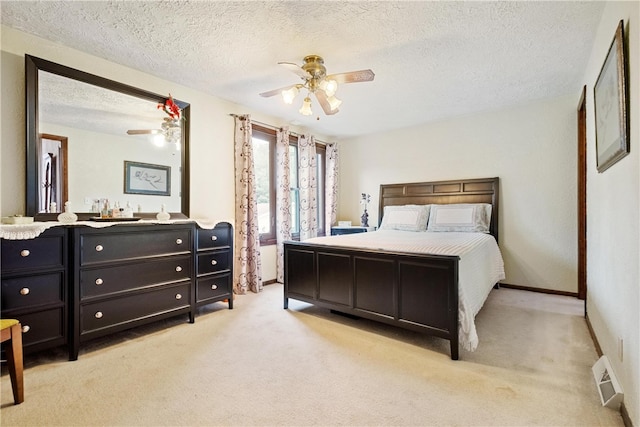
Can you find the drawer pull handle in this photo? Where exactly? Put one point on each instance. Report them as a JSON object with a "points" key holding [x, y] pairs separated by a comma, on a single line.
{"points": [[214, 237], [98, 315], [178, 296], [99, 281], [178, 241], [25, 253], [214, 262], [24, 291], [178, 269], [214, 287], [99, 248], [25, 329]]}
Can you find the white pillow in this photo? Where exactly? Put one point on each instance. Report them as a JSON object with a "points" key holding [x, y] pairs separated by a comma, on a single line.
{"points": [[470, 217], [405, 218]]}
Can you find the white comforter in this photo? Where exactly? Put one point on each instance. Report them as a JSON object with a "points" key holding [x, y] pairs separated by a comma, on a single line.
{"points": [[480, 267]]}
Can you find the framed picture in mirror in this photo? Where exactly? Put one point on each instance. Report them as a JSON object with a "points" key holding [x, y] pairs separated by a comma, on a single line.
{"points": [[146, 178]]}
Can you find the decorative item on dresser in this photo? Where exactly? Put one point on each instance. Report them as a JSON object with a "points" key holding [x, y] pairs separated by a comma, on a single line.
{"points": [[34, 288], [67, 216], [364, 200]]}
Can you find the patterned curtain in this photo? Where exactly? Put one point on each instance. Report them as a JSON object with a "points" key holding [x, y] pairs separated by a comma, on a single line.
{"points": [[283, 199], [308, 187], [331, 186], [247, 268]]}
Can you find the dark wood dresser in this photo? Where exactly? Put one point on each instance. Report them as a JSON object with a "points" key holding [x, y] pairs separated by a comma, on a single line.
{"points": [[79, 282], [128, 275], [34, 288]]}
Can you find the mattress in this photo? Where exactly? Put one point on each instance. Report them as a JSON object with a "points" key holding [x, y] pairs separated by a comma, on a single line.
{"points": [[481, 265]]}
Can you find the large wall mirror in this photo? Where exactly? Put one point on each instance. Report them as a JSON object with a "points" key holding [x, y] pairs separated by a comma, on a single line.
{"points": [[91, 139]]}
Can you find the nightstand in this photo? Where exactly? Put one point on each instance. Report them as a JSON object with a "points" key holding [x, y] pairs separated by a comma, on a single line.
{"points": [[336, 231]]}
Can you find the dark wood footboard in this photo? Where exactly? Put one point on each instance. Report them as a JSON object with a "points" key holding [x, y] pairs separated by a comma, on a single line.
{"points": [[412, 291]]}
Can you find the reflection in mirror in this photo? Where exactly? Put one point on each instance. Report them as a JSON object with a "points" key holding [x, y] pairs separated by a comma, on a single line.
{"points": [[52, 167], [106, 126]]}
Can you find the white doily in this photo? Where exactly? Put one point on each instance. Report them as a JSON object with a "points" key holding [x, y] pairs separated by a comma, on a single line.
{"points": [[33, 230]]}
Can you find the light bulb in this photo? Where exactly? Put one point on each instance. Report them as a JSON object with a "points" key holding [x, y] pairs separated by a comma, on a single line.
{"points": [[331, 87], [305, 110], [289, 95]]}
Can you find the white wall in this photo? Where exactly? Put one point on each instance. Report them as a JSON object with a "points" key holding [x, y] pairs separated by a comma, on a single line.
{"points": [[532, 149], [613, 219]]}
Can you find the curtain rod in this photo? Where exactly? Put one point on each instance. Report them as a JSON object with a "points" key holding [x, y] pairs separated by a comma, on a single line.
{"points": [[275, 127]]}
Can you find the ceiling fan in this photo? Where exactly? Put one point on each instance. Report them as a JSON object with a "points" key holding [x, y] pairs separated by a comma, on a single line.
{"points": [[170, 129], [315, 79]]}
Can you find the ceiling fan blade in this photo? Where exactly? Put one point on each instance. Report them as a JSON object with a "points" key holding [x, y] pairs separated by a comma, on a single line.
{"points": [[295, 68], [353, 76], [324, 103], [278, 91], [144, 132]]}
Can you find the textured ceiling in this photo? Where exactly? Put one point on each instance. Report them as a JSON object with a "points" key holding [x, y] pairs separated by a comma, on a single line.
{"points": [[432, 60]]}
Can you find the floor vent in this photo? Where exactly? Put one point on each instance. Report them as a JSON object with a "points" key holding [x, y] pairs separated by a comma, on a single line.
{"points": [[608, 387]]}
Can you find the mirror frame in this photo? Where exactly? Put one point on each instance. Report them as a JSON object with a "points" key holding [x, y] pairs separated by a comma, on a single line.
{"points": [[32, 66]]}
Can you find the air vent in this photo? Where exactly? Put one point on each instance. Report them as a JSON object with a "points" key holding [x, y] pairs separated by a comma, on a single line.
{"points": [[607, 384]]}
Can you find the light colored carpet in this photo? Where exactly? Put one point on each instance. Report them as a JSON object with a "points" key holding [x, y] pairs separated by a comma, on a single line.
{"points": [[262, 365]]}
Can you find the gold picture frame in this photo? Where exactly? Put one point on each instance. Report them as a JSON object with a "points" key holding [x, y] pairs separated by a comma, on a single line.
{"points": [[611, 107]]}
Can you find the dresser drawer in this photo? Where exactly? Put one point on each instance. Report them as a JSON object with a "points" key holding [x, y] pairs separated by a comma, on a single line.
{"points": [[213, 287], [45, 251], [126, 277], [42, 326], [29, 291], [99, 247], [218, 237], [212, 262], [118, 311]]}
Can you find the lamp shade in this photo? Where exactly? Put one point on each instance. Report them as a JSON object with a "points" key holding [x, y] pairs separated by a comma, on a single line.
{"points": [[334, 102], [306, 107]]}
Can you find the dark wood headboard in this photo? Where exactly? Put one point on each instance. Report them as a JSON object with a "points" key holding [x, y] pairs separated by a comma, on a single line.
{"points": [[483, 190]]}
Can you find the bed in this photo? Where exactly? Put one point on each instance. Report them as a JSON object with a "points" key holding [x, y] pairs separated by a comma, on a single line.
{"points": [[433, 279]]}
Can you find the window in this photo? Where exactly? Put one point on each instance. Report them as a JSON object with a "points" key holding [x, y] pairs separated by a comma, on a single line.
{"points": [[264, 148], [264, 152]]}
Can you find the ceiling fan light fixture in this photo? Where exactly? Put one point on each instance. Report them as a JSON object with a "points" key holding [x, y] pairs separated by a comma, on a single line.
{"points": [[334, 102], [329, 86], [316, 81], [158, 140], [289, 95], [305, 110]]}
